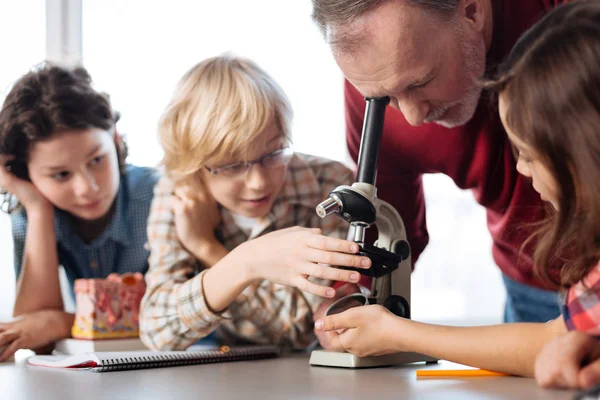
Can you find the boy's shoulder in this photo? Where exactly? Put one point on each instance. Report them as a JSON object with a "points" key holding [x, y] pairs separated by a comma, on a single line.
{"points": [[165, 185], [312, 177], [140, 182], [320, 166]]}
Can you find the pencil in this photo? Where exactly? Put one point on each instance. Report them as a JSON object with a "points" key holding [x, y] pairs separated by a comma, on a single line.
{"points": [[440, 373]]}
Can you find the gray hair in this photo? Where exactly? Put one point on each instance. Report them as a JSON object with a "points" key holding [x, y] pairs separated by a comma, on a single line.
{"points": [[339, 12]]}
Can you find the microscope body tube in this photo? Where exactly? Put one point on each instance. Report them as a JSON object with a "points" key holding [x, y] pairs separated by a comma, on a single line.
{"points": [[371, 139], [359, 206]]}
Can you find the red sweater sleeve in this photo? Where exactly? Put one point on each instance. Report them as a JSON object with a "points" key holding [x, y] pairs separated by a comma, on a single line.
{"points": [[402, 189]]}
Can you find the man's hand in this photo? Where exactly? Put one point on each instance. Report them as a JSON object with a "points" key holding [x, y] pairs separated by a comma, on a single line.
{"points": [[569, 361], [366, 330], [33, 331]]}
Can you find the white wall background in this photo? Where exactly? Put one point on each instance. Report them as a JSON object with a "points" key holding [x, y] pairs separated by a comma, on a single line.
{"points": [[22, 43], [137, 50]]}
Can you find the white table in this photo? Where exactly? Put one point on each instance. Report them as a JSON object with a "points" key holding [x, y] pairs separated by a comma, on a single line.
{"points": [[289, 377]]}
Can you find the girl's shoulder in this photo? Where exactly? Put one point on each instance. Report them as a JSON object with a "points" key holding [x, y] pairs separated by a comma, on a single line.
{"points": [[590, 282], [581, 304]]}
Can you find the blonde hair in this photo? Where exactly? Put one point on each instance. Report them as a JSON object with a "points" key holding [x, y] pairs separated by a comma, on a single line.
{"points": [[219, 108]]}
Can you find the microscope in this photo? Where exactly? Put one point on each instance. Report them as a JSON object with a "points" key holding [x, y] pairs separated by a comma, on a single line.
{"points": [[390, 253]]}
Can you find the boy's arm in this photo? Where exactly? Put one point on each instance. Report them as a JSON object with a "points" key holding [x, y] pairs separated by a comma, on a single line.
{"points": [[38, 285], [268, 312], [177, 310], [173, 313], [209, 253]]}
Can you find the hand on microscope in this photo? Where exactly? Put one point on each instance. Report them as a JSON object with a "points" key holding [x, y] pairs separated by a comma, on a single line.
{"points": [[364, 331], [340, 292]]}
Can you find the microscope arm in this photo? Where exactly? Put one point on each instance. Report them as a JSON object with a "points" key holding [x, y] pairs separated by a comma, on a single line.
{"points": [[393, 289]]}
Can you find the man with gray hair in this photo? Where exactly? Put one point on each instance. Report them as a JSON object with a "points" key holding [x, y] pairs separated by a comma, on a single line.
{"points": [[427, 56]]}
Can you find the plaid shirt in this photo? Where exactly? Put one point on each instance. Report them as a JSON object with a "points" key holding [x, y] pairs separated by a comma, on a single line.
{"points": [[174, 313], [120, 248], [581, 308]]}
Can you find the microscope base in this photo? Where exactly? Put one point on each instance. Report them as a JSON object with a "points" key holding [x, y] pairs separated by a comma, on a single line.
{"points": [[326, 358]]}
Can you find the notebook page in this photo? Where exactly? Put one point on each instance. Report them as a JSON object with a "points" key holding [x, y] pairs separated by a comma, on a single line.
{"points": [[75, 361], [119, 361]]}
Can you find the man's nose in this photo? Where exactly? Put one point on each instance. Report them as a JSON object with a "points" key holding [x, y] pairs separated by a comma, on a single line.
{"points": [[414, 111]]}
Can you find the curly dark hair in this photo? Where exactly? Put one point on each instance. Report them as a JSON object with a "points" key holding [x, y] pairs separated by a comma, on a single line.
{"points": [[50, 99]]}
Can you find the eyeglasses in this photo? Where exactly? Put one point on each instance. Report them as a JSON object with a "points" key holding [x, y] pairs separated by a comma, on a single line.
{"points": [[274, 159]]}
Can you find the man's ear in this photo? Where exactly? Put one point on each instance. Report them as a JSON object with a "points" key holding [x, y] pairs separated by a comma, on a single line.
{"points": [[473, 14]]}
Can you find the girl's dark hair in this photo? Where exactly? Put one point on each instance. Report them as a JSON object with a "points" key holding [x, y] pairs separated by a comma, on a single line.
{"points": [[50, 99], [551, 84]]}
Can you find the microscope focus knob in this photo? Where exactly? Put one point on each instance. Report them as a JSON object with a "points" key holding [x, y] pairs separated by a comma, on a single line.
{"points": [[402, 248], [398, 306], [329, 206]]}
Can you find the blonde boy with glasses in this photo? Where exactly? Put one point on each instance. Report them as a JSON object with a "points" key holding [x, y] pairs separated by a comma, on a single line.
{"points": [[235, 244]]}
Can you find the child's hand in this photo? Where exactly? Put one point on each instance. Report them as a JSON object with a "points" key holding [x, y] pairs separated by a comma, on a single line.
{"points": [[33, 331], [290, 256], [27, 194], [569, 361], [364, 330], [196, 218]]}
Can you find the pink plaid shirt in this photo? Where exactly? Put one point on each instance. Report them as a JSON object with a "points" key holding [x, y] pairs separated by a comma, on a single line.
{"points": [[581, 309], [174, 313]]}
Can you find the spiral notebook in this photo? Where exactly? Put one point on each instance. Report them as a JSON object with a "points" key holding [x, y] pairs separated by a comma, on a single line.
{"points": [[119, 361]]}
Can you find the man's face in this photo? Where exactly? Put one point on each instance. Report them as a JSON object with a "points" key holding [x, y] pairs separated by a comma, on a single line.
{"points": [[427, 66]]}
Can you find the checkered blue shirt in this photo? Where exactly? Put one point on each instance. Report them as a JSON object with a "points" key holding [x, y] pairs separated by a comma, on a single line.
{"points": [[120, 248]]}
